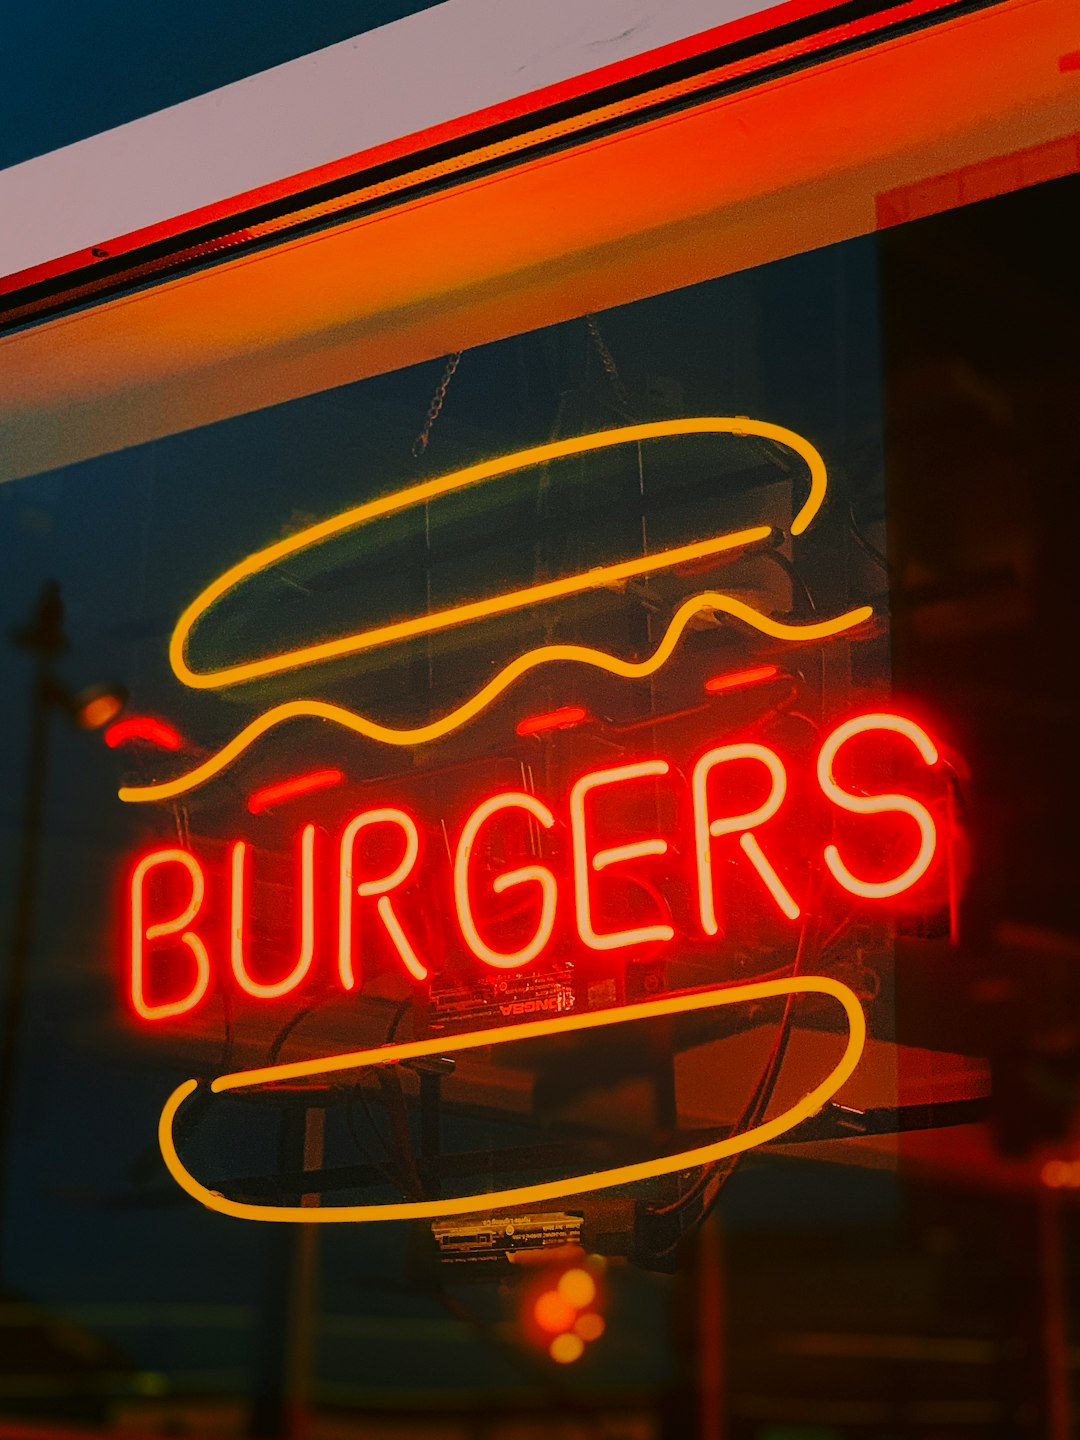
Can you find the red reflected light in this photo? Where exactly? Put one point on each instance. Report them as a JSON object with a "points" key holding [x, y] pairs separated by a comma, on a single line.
{"points": [[563, 1317], [144, 728], [738, 678], [553, 720], [261, 800], [553, 1313], [1061, 1174]]}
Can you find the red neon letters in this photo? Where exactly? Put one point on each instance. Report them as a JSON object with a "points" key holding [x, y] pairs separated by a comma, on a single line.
{"points": [[729, 794], [584, 861], [878, 804], [141, 934], [706, 829], [538, 874], [260, 990], [379, 886]]}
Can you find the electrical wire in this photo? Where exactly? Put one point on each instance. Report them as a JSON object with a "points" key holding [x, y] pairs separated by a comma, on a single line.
{"points": [[291, 1024], [355, 1094], [712, 1179], [328, 995], [864, 544], [757, 1103]]}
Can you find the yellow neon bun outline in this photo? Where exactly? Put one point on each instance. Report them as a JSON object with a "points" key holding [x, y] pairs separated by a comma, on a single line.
{"points": [[709, 600], [551, 1190], [429, 490]]}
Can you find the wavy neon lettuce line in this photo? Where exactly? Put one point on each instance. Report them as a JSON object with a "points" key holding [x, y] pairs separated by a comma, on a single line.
{"points": [[760, 1134], [708, 601]]}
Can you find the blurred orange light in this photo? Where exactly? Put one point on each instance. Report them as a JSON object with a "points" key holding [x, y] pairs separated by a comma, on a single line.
{"points": [[590, 1326], [1061, 1174], [99, 710], [565, 1349], [577, 1288], [553, 1313]]}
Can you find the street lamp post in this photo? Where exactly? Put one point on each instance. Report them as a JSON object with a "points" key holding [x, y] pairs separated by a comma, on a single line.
{"points": [[44, 637]]}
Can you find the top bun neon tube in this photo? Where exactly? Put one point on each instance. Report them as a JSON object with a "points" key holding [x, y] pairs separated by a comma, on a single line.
{"points": [[263, 560]]}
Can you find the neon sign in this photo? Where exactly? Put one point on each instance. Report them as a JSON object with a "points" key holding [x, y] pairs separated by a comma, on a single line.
{"points": [[370, 901], [528, 873]]}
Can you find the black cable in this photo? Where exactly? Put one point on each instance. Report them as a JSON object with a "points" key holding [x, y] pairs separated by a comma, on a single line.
{"points": [[291, 1024], [797, 581], [864, 544], [225, 1063], [720, 1171], [763, 1090], [399, 1015], [355, 1093], [394, 1100], [301, 1015]]}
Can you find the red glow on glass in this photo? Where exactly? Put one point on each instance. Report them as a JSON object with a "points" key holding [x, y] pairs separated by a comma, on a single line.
{"points": [[553, 720], [261, 800], [145, 728], [738, 678]]}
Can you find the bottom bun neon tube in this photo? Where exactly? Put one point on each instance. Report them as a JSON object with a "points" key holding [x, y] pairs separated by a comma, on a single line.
{"points": [[550, 1190]]}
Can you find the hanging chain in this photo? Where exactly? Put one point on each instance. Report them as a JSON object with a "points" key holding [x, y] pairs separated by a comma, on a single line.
{"points": [[607, 360], [420, 444]]}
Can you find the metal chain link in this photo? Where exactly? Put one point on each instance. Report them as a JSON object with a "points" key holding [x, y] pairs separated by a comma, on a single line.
{"points": [[607, 360], [420, 444]]}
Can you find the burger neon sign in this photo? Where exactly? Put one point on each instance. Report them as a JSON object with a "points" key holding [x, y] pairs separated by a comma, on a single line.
{"points": [[523, 874]]}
